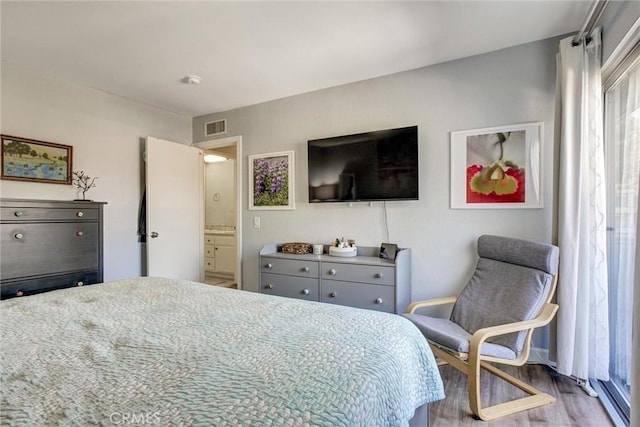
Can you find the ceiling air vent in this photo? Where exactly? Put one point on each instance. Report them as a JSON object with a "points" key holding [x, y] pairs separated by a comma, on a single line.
{"points": [[217, 127]]}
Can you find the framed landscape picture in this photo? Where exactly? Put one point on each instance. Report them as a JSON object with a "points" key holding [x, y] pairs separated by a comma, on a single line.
{"points": [[497, 168], [38, 161], [271, 181]]}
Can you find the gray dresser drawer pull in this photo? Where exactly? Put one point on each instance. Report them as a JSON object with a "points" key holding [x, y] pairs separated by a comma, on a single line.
{"points": [[378, 301], [18, 213], [305, 269], [18, 236], [305, 292], [79, 233], [332, 294], [79, 214], [332, 272], [378, 276], [269, 265], [269, 286], [80, 283]]}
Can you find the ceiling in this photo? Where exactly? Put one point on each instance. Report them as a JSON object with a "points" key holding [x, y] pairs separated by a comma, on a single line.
{"points": [[252, 52]]}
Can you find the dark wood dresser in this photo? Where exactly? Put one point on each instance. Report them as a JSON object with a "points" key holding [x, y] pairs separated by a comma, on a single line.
{"points": [[49, 244]]}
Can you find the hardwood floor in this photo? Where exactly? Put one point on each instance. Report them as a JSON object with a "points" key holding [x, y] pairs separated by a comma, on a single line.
{"points": [[573, 406]]}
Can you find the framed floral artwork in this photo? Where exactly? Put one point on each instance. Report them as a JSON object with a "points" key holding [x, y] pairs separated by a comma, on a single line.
{"points": [[497, 167], [36, 161], [271, 181]]}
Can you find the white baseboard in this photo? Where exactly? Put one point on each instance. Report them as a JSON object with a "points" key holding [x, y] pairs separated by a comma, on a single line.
{"points": [[539, 356]]}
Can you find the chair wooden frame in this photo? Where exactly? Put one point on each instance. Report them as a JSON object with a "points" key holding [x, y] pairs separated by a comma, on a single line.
{"points": [[473, 362]]}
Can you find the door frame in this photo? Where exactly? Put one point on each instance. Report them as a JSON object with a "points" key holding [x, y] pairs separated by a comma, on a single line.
{"points": [[225, 142]]}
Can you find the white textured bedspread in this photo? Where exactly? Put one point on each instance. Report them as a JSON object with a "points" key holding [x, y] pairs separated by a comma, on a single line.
{"points": [[165, 352]]}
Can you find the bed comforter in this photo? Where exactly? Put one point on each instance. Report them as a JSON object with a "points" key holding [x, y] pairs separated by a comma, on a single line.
{"points": [[167, 352]]}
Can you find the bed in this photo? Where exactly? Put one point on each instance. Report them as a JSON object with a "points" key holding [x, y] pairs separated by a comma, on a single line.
{"points": [[169, 352]]}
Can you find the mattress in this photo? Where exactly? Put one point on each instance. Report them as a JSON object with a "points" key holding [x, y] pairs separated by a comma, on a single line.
{"points": [[169, 352]]}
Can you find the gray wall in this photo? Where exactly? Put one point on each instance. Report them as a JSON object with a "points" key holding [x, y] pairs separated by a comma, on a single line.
{"points": [[510, 86]]}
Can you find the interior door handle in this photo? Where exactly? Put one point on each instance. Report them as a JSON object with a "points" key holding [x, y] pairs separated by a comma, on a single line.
{"points": [[154, 234]]}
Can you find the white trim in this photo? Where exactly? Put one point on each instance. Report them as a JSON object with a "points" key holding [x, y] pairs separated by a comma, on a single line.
{"points": [[626, 45], [223, 142], [539, 356]]}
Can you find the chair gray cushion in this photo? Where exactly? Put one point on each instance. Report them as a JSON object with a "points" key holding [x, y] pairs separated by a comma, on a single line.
{"points": [[500, 293], [540, 256], [450, 335]]}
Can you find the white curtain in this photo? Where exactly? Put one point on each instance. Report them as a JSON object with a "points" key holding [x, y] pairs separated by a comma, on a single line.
{"points": [[583, 331], [635, 367]]}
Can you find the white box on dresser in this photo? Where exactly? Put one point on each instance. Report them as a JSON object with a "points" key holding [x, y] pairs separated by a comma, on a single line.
{"points": [[363, 281], [49, 244]]}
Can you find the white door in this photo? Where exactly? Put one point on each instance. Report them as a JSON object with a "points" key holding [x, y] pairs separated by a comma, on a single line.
{"points": [[175, 210]]}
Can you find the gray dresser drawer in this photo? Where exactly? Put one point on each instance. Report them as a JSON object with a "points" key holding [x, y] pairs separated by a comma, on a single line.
{"points": [[33, 249], [43, 284], [291, 267], [289, 286], [379, 275], [50, 214], [361, 295]]}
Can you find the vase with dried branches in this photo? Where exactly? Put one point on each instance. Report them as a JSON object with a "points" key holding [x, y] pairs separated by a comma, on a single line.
{"points": [[83, 183]]}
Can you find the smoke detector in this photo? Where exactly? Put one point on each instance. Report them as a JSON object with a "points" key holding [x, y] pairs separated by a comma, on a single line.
{"points": [[191, 79]]}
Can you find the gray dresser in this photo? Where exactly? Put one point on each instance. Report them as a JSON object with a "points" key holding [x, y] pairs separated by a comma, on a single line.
{"points": [[49, 244], [364, 281]]}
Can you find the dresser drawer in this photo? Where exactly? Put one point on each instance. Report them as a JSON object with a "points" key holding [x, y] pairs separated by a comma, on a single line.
{"points": [[289, 286], [361, 295], [208, 239], [209, 251], [379, 275], [50, 214], [43, 284], [33, 249], [301, 268]]}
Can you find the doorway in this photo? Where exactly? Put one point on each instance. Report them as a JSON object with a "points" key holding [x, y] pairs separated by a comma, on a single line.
{"points": [[223, 211]]}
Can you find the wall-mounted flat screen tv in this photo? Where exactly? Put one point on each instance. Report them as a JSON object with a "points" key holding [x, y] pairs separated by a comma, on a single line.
{"points": [[370, 166]]}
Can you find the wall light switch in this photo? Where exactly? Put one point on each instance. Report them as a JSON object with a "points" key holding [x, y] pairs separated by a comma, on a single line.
{"points": [[256, 222]]}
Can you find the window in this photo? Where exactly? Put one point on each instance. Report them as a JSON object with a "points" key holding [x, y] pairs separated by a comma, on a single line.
{"points": [[622, 140]]}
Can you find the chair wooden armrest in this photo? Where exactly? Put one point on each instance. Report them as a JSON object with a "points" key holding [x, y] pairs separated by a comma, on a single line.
{"points": [[545, 316], [429, 303]]}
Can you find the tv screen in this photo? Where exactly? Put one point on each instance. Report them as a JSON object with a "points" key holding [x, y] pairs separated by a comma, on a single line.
{"points": [[370, 166]]}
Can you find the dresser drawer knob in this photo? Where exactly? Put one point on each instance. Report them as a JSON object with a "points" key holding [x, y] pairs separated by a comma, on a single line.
{"points": [[305, 269], [305, 292], [269, 266], [268, 286], [378, 301], [18, 213], [332, 272], [378, 276], [332, 294], [79, 233], [18, 236], [79, 283], [79, 214]]}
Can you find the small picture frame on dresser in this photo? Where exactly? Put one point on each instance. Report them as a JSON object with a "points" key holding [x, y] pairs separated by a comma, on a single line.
{"points": [[388, 251]]}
